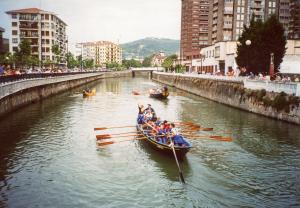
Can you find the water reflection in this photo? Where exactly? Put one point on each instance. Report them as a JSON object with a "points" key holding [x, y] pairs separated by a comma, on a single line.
{"points": [[165, 163]]}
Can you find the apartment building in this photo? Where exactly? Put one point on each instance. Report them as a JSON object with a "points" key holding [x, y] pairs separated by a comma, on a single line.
{"points": [[42, 29], [227, 17], [194, 28], [101, 52], [4, 45], [294, 23]]}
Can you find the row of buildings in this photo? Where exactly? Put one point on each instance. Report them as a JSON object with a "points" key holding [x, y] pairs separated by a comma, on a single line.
{"points": [[210, 29], [100, 51], [45, 29]]}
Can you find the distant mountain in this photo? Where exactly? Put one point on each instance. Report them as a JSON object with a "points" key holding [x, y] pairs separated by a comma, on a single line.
{"points": [[148, 46]]}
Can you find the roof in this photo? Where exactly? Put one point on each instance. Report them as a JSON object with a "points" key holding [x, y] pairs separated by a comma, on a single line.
{"points": [[32, 11], [2, 29], [27, 11]]}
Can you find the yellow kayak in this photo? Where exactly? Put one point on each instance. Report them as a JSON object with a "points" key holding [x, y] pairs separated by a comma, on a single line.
{"points": [[88, 94]]}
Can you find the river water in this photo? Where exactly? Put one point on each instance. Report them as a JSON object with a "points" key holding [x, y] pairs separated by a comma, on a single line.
{"points": [[49, 157]]}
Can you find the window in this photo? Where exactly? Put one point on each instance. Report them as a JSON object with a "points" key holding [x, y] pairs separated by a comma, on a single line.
{"points": [[14, 24], [15, 49], [217, 51], [14, 16], [15, 32], [15, 40]]}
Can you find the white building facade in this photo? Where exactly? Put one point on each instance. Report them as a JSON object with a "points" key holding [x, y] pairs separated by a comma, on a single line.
{"points": [[102, 52], [221, 56], [42, 29]]}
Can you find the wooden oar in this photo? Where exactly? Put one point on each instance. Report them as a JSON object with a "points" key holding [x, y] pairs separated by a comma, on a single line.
{"points": [[130, 132], [114, 142], [219, 138], [112, 127], [196, 129], [100, 137], [175, 156]]}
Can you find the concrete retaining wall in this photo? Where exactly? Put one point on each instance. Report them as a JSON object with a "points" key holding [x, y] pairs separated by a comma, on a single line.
{"points": [[228, 92], [17, 94]]}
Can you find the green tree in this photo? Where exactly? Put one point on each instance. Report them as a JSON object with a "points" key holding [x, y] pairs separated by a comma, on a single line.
{"points": [[147, 61], [256, 56], [131, 63], [71, 61], [56, 50], [88, 63], [23, 54], [169, 61]]}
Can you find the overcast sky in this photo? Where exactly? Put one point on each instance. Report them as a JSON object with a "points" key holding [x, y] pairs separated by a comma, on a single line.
{"points": [[123, 20]]}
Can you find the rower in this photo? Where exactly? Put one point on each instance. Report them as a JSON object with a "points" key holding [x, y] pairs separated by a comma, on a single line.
{"points": [[176, 137]]}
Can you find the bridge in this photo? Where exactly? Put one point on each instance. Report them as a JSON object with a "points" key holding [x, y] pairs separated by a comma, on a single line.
{"points": [[146, 70]]}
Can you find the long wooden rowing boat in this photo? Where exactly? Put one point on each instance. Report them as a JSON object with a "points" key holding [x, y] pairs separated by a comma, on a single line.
{"points": [[158, 95], [164, 148]]}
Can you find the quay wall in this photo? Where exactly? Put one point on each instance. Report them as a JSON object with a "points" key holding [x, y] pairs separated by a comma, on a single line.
{"points": [[16, 94], [232, 92]]}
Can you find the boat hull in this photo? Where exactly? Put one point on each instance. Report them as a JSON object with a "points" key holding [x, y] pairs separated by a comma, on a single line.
{"points": [[159, 95], [164, 148]]}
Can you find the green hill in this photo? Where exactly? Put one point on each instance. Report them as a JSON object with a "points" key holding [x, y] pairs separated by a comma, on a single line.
{"points": [[148, 46]]}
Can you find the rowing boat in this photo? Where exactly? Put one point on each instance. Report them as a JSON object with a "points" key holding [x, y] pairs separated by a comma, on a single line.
{"points": [[158, 95], [88, 94], [161, 147]]}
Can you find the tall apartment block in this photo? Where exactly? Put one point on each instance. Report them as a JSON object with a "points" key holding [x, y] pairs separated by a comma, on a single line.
{"points": [[227, 17], [294, 24], [42, 29], [101, 52], [194, 28]]}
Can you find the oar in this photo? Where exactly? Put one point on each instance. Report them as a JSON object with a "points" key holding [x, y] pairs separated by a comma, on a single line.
{"points": [[114, 142], [219, 138], [175, 156], [130, 132], [100, 137], [112, 127], [172, 145], [197, 129]]}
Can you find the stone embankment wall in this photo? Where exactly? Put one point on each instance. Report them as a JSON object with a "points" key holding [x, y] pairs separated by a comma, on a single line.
{"points": [[232, 92], [19, 93]]}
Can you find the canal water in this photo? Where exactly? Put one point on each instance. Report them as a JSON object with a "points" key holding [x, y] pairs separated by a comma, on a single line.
{"points": [[49, 157]]}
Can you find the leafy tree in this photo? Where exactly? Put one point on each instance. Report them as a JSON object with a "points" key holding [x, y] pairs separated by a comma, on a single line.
{"points": [[88, 63], [256, 57], [131, 63], [112, 65], [55, 49], [147, 61], [71, 61], [23, 53], [169, 61]]}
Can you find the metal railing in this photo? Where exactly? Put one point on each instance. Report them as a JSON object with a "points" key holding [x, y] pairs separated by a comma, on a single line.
{"points": [[14, 78]]}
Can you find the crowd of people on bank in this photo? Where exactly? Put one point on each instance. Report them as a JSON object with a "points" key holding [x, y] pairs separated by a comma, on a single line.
{"points": [[242, 72], [7, 70], [163, 132]]}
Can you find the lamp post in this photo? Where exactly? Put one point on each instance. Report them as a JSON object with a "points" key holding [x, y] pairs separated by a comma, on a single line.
{"points": [[248, 43], [272, 65]]}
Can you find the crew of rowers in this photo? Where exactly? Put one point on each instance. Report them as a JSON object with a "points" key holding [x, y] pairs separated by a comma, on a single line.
{"points": [[161, 130]]}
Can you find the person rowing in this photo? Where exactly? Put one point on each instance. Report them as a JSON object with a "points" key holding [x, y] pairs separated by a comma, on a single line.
{"points": [[176, 137], [140, 114]]}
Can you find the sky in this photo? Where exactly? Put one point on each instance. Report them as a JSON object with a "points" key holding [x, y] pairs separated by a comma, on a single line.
{"points": [[113, 20]]}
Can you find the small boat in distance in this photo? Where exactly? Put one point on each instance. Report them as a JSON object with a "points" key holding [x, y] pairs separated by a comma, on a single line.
{"points": [[159, 93], [88, 92]]}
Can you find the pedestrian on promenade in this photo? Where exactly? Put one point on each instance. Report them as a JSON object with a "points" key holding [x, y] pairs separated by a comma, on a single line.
{"points": [[2, 69]]}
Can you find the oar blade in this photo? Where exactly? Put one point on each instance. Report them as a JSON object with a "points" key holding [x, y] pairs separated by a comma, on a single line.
{"points": [[99, 129], [100, 144], [181, 177], [103, 136]]}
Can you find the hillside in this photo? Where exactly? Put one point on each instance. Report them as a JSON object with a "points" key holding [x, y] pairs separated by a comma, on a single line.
{"points": [[148, 46]]}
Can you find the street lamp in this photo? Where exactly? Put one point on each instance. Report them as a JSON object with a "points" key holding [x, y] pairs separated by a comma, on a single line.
{"points": [[248, 43]]}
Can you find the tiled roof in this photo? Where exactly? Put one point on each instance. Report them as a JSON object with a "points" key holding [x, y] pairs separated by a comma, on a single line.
{"points": [[28, 11]]}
